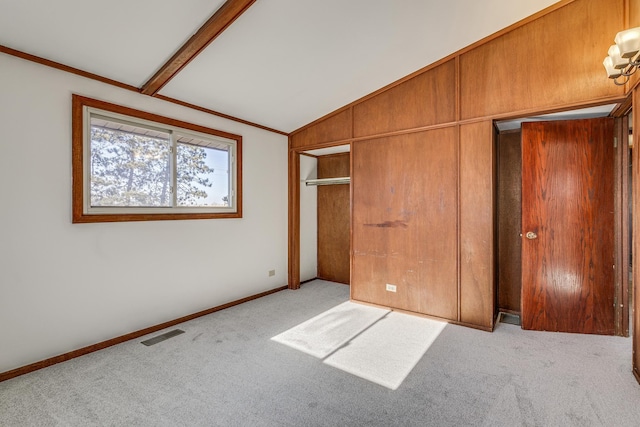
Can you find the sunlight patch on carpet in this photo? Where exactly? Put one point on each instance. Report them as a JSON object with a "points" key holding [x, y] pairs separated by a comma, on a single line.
{"points": [[327, 332], [387, 352], [376, 344]]}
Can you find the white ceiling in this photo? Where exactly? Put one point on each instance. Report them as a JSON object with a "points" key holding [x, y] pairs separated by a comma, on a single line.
{"points": [[282, 64], [124, 40]]}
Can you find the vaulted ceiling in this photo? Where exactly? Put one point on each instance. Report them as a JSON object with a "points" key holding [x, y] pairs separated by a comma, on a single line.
{"points": [[280, 63]]}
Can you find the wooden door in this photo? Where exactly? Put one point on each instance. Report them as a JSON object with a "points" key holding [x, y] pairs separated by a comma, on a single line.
{"points": [[568, 226], [334, 220]]}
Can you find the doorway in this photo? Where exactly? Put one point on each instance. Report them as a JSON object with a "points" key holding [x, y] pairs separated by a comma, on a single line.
{"points": [[510, 292], [327, 193], [509, 221]]}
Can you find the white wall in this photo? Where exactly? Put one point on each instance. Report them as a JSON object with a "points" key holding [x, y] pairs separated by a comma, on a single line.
{"points": [[64, 286], [308, 219]]}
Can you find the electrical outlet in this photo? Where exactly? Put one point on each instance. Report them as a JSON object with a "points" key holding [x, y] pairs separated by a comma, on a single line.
{"points": [[391, 288], [272, 273]]}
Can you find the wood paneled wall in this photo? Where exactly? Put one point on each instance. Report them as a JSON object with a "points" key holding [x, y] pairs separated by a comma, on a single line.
{"points": [[477, 207], [553, 61], [634, 14], [336, 127], [403, 134], [633, 18], [404, 222], [421, 101], [334, 220], [547, 63]]}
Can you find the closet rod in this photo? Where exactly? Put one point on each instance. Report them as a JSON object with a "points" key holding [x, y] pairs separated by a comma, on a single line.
{"points": [[328, 181]]}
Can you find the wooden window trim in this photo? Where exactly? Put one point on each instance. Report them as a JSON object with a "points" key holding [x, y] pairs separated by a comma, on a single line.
{"points": [[78, 214]]}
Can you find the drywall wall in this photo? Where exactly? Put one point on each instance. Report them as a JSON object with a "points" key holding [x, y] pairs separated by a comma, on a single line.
{"points": [[308, 219], [64, 286]]}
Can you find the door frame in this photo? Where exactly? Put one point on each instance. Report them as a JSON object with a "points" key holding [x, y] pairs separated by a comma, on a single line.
{"points": [[622, 224]]}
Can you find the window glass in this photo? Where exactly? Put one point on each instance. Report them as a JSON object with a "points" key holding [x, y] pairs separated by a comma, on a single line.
{"points": [[129, 165], [202, 176]]}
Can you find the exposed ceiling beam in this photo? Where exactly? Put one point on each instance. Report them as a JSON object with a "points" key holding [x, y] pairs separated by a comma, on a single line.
{"points": [[219, 21]]}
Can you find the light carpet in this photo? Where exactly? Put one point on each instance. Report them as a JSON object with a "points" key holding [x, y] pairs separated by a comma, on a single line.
{"points": [[387, 351], [327, 332], [226, 371], [375, 344]]}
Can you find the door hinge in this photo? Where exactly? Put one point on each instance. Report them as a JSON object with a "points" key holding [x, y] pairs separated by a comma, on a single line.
{"points": [[615, 142]]}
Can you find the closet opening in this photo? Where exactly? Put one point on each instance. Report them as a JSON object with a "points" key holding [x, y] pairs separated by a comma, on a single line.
{"points": [[325, 213], [510, 293]]}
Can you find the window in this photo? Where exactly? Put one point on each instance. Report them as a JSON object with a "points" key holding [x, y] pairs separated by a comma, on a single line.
{"points": [[129, 165]]}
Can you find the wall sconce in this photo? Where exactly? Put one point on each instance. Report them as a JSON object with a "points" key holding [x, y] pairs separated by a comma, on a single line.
{"points": [[623, 59]]}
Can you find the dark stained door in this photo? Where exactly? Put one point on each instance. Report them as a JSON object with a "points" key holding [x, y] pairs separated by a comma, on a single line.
{"points": [[568, 226]]}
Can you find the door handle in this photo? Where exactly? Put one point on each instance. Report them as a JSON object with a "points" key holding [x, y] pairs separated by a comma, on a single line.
{"points": [[531, 235]]}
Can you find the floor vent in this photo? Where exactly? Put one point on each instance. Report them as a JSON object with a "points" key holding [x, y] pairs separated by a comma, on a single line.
{"points": [[512, 319], [160, 338]]}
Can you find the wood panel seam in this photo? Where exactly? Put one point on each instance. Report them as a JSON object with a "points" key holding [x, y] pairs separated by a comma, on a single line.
{"points": [[497, 117], [458, 231]]}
